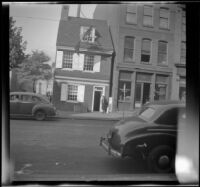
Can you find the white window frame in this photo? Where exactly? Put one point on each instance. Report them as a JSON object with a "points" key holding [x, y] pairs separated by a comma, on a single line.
{"points": [[166, 18], [148, 15], [66, 57], [134, 46], [150, 50], [91, 37], [129, 12], [166, 53], [86, 63], [76, 92]]}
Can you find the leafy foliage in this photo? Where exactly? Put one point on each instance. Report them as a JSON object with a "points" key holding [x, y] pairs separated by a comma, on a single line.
{"points": [[16, 45], [34, 68]]}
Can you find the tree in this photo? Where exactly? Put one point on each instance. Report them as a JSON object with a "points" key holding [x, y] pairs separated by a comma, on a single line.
{"points": [[16, 44], [34, 68]]}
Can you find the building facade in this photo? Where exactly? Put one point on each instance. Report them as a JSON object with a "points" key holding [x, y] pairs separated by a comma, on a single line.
{"points": [[147, 44], [84, 54]]}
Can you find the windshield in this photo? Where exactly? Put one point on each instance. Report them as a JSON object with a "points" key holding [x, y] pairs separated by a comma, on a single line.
{"points": [[147, 113]]}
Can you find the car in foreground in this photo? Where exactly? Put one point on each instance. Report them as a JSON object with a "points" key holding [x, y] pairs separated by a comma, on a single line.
{"points": [[28, 104], [150, 136]]}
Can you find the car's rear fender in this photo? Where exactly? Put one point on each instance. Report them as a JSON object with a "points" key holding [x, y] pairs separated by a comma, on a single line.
{"points": [[144, 143]]}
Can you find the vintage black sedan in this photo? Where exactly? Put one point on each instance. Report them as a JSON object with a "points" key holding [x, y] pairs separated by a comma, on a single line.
{"points": [[149, 136], [27, 104]]}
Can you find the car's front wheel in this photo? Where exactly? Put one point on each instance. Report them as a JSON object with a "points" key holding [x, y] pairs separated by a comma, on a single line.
{"points": [[40, 115], [161, 159]]}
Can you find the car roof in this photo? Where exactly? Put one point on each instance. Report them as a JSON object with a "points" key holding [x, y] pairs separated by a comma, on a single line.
{"points": [[164, 102], [25, 93]]}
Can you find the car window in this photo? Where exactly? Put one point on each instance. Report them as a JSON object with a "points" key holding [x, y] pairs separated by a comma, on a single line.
{"points": [[26, 98], [147, 113], [169, 117], [14, 97], [36, 99]]}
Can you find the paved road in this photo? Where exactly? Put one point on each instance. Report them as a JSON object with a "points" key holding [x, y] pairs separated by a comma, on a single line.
{"points": [[68, 150]]}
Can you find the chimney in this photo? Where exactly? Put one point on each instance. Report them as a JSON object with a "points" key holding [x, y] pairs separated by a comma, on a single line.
{"points": [[79, 11], [64, 12]]}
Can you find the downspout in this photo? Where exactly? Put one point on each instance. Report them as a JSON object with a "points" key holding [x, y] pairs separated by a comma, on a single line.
{"points": [[112, 65]]}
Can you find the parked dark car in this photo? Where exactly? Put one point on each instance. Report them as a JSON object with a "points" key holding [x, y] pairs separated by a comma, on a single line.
{"points": [[30, 104], [150, 136]]}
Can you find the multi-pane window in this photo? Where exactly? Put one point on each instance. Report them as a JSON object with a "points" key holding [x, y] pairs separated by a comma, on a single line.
{"points": [[129, 48], [183, 52], [164, 18], [67, 59], [148, 15], [162, 53], [72, 92], [88, 63], [146, 51], [131, 14], [87, 34], [124, 86]]}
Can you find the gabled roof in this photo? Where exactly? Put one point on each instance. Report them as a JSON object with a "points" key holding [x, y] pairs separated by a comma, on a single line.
{"points": [[69, 34]]}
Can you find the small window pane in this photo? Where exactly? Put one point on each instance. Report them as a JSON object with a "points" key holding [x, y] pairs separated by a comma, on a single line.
{"points": [[148, 10], [164, 23], [131, 18], [146, 45], [148, 20], [164, 13], [129, 42], [132, 8]]}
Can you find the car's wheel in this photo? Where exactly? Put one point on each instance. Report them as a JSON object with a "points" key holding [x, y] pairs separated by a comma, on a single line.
{"points": [[40, 115], [161, 159]]}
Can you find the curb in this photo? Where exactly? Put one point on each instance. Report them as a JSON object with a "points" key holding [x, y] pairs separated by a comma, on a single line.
{"points": [[88, 118]]}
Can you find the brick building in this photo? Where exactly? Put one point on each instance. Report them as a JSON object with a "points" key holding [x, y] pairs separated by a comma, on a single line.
{"points": [[150, 47], [83, 63]]}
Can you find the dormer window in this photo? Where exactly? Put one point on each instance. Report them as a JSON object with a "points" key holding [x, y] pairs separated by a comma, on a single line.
{"points": [[87, 34]]}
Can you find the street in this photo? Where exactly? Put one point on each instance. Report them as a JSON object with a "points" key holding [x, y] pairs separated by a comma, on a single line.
{"points": [[65, 149]]}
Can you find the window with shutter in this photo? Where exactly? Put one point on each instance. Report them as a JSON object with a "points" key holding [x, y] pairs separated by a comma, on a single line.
{"points": [[68, 59], [72, 92], [88, 63]]}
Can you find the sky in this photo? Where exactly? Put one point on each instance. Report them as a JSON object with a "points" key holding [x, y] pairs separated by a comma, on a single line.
{"points": [[40, 22]]}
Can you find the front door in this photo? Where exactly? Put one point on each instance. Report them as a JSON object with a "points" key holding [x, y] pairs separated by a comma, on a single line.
{"points": [[142, 93], [97, 99], [97, 92]]}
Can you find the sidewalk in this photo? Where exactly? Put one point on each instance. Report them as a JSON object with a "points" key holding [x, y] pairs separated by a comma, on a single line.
{"points": [[96, 115]]}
